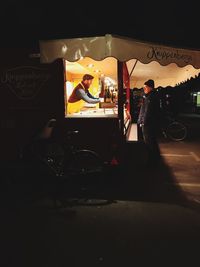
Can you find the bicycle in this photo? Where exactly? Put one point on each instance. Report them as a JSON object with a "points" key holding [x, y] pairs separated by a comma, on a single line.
{"points": [[174, 130], [64, 158], [65, 162]]}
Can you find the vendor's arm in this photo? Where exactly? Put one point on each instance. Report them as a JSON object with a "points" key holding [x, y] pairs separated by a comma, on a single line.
{"points": [[91, 96], [83, 95]]}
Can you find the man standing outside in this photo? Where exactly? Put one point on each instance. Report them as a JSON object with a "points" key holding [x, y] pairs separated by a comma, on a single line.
{"points": [[149, 120], [81, 94]]}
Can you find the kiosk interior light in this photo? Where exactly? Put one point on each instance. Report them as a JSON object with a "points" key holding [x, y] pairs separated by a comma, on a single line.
{"points": [[90, 65]]}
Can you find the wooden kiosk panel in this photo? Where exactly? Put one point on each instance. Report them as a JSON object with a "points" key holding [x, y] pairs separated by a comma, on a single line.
{"points": [[31, 94], [98, 134]]}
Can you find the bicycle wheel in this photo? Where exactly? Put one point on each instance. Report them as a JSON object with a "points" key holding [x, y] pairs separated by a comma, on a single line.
{"points": [[84, 162], [50, 155], [176, 131]]}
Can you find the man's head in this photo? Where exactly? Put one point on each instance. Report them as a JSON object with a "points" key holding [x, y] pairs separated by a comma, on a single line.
{"points": [[148, 86], [87, 79]]}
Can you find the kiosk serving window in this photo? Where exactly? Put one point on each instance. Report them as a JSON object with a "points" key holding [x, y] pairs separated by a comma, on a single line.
{"points": [[102, 89]]}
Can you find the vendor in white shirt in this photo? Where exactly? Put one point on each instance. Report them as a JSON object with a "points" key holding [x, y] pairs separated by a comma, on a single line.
{"points": [[81, 94]]}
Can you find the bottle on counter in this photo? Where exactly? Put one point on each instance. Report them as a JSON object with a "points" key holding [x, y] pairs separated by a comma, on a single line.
{"points": [[113, 97], [105, 94], [108, 96]]}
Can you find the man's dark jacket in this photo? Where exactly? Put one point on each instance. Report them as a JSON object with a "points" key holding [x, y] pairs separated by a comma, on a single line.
{"points": [[150, 110]]}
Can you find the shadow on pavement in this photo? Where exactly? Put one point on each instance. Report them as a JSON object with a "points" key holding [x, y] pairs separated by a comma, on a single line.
{"points": [[120, 182], [37, 235]]}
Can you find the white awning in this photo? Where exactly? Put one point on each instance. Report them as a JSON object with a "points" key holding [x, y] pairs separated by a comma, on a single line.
{"points": [[121, 48]]}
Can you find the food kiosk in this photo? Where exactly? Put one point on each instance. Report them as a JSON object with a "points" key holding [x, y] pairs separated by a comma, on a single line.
{"points": [[116, 63], [35, 87]]}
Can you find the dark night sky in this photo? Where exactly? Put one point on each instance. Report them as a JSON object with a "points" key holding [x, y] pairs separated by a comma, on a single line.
{"points": [[23, 23]]}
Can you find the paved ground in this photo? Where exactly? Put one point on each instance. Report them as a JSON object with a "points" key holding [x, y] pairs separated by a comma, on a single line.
{"points": [[153, 216], [184, 161], [149, 221]]}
